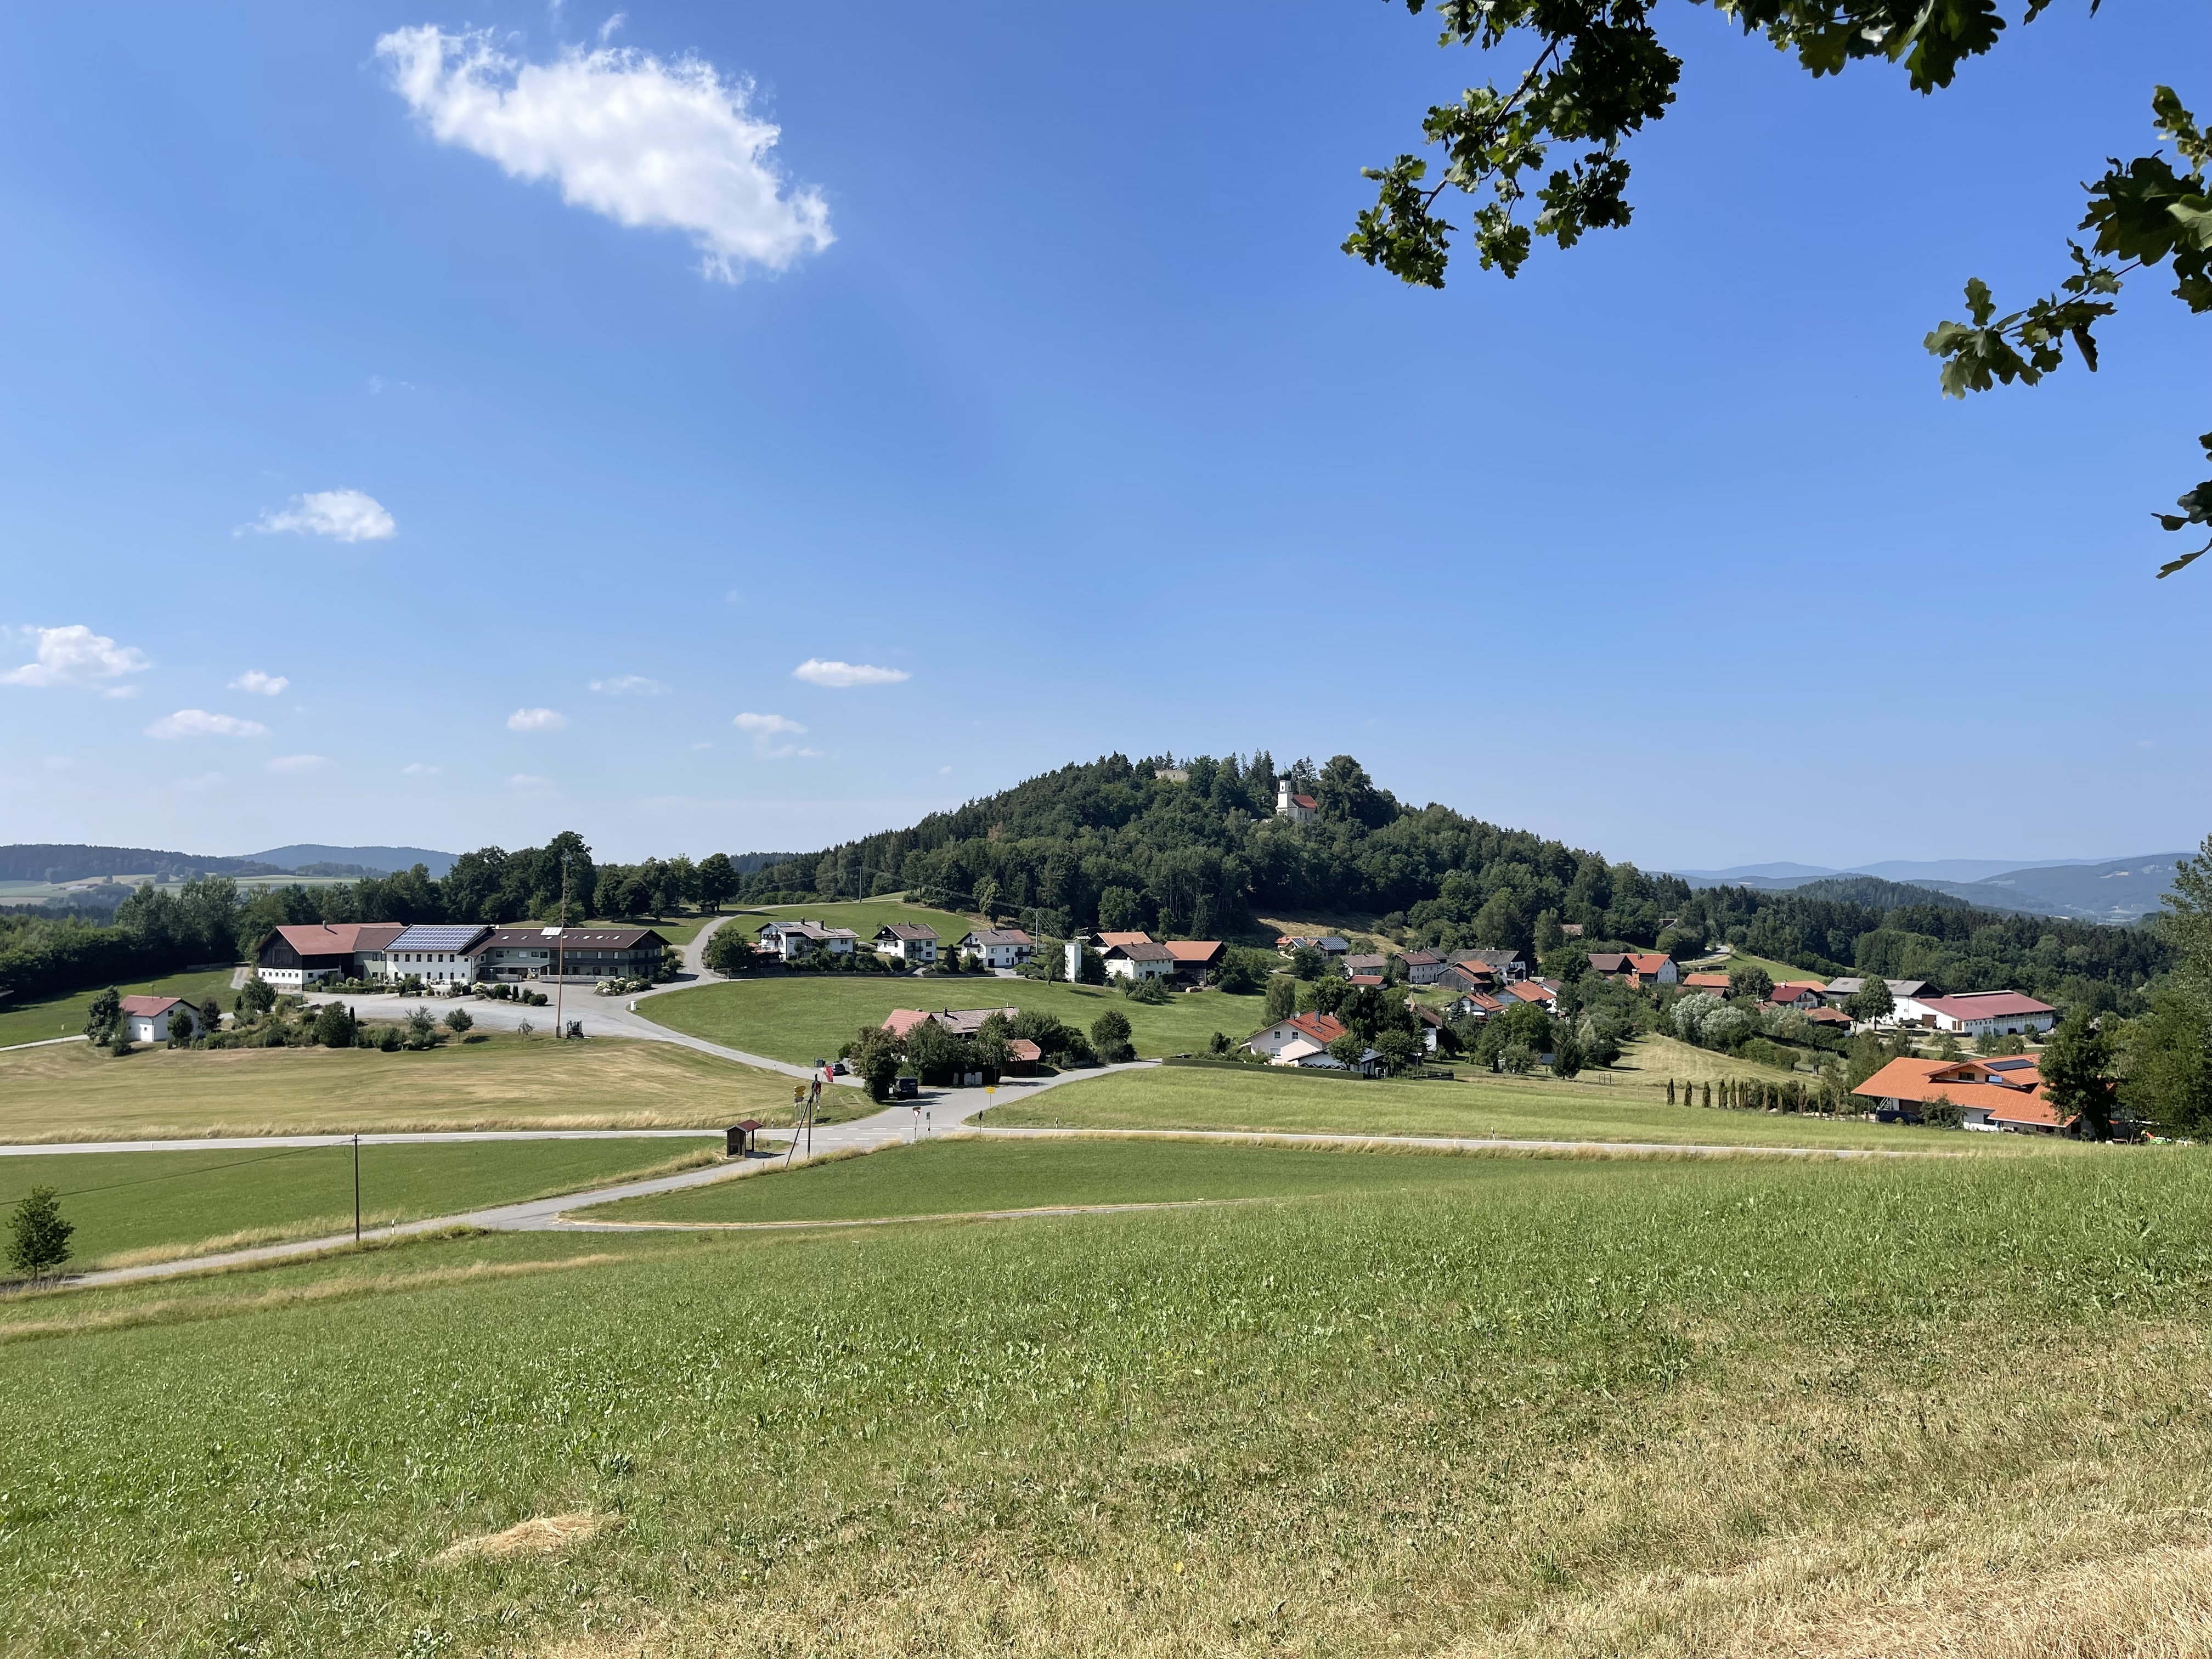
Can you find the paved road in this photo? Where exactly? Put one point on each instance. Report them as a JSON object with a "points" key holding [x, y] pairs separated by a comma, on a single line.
{"points": [[43, 1043], [891, 1126]]}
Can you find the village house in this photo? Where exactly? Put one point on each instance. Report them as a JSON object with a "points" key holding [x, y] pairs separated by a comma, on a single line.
{"points": [[1474, 1004], [1106, 941], [2004, 1094], [1713, 985], [912, 943], [1429, 1022], [1542, 993], [1423, 966], [293, 958], [1837, 992], [794, 941], [437, 953], [570, 954], [1197, 957], [1138, 961], [1298, 808], [1289, 1041], [961, 1022], [1467, 977], [1000, 947], [1803, 994], [1365, 965], [155, 1020], [1504, 965]]}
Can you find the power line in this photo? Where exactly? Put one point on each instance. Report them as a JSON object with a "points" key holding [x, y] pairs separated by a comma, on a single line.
{"points": [[205, 1169]]}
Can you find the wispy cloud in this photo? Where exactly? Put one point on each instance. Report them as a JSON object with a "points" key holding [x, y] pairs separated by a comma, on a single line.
{"points": [[816, 671], [299, 762], [530, 783], [76, 656], [766, 727], [260, 684], [417, 770], [536, 719], [625, 685], [662, 145], [343, 515], [199, 723]]}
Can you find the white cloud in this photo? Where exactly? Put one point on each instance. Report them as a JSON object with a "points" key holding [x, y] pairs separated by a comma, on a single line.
{"points": [[815, 672], [343, 515], [76, 656], [199, 723], [668, 146], [536, 719], [416, 770], [627, 684], [299, 762], [529, 782], [766, 725], [260, 684]]}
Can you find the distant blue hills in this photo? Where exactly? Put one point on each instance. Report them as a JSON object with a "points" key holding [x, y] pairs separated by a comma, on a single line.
{"points": [[2083, 889]]}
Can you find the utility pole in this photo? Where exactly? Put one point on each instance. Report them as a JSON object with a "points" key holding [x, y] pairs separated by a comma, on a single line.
{"points": [[356, 1189], [560, 1031]]}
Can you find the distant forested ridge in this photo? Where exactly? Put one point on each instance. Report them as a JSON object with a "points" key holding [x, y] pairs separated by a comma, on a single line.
{"points": [[51, 861], [1110, 844]]}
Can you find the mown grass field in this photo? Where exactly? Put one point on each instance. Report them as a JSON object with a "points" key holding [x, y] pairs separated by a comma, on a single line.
{"points": [[1478, 1105], [74, 1092], [34, 1022], [808, 1016], [144, 1206], [1572, 1408], [963, 1174], [863, 917]]}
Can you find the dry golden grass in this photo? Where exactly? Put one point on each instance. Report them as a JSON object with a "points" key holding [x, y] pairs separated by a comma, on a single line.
{"points": [[181, 1311], [1827, 1522], [74, 1092], [542, 1534]]}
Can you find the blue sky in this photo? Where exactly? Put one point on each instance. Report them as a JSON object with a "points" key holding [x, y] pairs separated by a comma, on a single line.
{"points": [[1022, 367]]}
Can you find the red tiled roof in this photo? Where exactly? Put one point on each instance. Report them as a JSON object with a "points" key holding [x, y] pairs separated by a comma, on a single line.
{"points": [[149, 1007], [1323, 1029], [1528, 992], [1966, 1082], [1125, 939], [1364, 979], [1987, 1005], [1195, 949], [1706, 981], [1307, 802], [1648, 961], [341, 938], [1023, 1049], [900, 1021]]}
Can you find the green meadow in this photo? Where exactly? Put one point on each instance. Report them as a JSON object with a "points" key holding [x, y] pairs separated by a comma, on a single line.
{"points": [[808, 1016], [53, 1017], [1515, 1407], [1477, 1105], [959, 1175], [143, 1206]]}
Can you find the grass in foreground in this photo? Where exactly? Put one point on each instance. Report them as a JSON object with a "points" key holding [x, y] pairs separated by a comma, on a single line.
{"points": [[809, 1016], [1673, 1409], [74, 1092], [131, 1207], [54, 1017], [961, 1175], [1480, 1106]]}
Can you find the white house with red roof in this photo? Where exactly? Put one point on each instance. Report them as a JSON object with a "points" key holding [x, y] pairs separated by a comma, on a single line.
{"points": [[154, 1019], [1979, 1013], [1298, 808], [1287, 1042], [2004, 1094]]}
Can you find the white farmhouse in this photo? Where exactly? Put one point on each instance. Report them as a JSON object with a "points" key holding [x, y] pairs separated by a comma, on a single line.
{"points": [[1000, 947], [152, 1020], [1138, 961]]}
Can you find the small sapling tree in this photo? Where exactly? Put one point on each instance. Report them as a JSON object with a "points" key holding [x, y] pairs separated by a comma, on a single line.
{"points": [[38, 1236]]}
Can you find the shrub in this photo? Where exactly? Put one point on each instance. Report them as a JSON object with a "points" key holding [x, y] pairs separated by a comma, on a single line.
{"points": [[421, 1030], [1942, 1113], [1400, 1051], [335, 1026], [459, 1020], [1516, 1059], [1110, 1035], [1152, 991]]}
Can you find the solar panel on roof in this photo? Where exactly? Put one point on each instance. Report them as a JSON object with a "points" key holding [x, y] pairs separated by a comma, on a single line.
{"points": [[436, 938]]}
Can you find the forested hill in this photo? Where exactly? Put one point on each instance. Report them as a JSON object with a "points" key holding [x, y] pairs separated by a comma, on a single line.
{"points": [[1111, 844]]}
